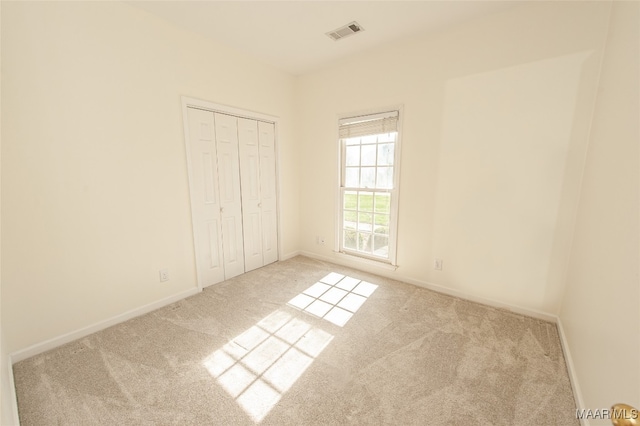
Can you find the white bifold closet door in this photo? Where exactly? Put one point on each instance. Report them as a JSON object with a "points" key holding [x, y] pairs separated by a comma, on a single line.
{"points": [[216, 202], [233, 194], [230, 196], [258, 177]]}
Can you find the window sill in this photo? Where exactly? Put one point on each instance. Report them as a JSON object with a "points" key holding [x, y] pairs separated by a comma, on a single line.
{"points": [[366, 261]]}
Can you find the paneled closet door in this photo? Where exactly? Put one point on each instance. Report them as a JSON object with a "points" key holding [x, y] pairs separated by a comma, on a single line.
{"points": [[205, 202], [250, 177], [258, 176], [232, 176], [266, 139], [230, 198]]}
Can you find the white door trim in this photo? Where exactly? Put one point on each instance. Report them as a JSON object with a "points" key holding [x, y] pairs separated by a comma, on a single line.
{"points": [[189, 102], [226, 109]]}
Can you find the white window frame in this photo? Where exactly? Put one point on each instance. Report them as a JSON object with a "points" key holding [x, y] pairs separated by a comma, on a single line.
{"points": [[395, 192]]}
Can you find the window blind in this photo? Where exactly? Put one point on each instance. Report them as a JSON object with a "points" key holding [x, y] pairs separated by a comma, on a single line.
{"points": [[366, 125]]}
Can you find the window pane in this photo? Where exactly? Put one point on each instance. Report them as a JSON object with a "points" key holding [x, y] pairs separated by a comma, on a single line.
{"points": [[353, 155], [370, 139], [352, 141], [367, 177], [381, 245], [382, 230], [385, 178], [385, 154], [368, 155], [351, 178], [365, 202], [364, 242], [350, 200], [382, 219], [387, 137], [383, 203], [364, 222], [350, 219], [350, 240]]}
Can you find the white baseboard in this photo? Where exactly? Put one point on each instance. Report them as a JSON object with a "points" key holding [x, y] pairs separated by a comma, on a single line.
{"points": [[290, 255], [573, 378], [38, 348], [384, 271], [534, 313], [14, 416]]}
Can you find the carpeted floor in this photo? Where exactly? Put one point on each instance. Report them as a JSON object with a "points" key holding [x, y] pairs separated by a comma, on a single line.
{"points": [[306, 342]]}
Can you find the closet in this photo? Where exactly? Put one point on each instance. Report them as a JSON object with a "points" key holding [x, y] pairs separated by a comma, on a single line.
{"points": [[232, 183]]}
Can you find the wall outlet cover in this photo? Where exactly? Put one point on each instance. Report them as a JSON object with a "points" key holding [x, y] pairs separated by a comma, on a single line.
{"points": [[164, 275]]}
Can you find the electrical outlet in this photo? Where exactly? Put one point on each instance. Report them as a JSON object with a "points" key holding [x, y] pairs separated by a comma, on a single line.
{"points": [[164, 275], [437, 264], [320, 240]]}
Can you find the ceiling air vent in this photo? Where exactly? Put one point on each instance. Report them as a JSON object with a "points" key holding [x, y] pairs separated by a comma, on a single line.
{"points": [[345, 31]]}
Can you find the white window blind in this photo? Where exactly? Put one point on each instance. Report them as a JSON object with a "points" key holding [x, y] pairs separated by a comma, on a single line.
{"points": [[367, 125]]}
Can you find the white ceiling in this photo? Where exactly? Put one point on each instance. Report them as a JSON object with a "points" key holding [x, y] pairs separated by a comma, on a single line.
{"points": [[290, 35]]}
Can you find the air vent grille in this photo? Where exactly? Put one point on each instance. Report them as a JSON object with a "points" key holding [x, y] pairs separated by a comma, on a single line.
{"points": [[345, 31]]}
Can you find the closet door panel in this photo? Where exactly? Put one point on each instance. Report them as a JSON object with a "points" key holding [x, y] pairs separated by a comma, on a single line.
{"points": [[250, 173], [253, 232], [268, 193], [226, 131], [205, 202]]}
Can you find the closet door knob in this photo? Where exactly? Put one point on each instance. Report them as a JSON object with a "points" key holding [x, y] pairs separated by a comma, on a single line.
{"points": [[221, 209], [259, 205]]}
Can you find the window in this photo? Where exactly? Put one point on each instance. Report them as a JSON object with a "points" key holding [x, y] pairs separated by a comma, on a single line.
{"points": [[368, 185]]}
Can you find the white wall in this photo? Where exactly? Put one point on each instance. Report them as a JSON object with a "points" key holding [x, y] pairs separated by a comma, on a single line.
{"points": [[94, 181], [600, 311], [496, 119], [6, 396], [4, 373]]}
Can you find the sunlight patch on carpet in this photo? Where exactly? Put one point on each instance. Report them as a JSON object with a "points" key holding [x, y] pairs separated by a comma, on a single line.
{"points": [[335, 298], [260, 365]]}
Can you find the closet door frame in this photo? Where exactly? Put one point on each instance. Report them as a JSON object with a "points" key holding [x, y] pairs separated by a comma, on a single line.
{"points": [[188, 102]]}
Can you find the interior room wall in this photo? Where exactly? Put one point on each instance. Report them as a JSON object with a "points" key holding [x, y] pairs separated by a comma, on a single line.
{"points": [[6, 396], [600, 314], [95, 195], [496, 118]]}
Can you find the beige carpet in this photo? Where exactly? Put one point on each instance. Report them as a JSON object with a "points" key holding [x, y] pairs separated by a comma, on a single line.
{"points": [[306, 342]]}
